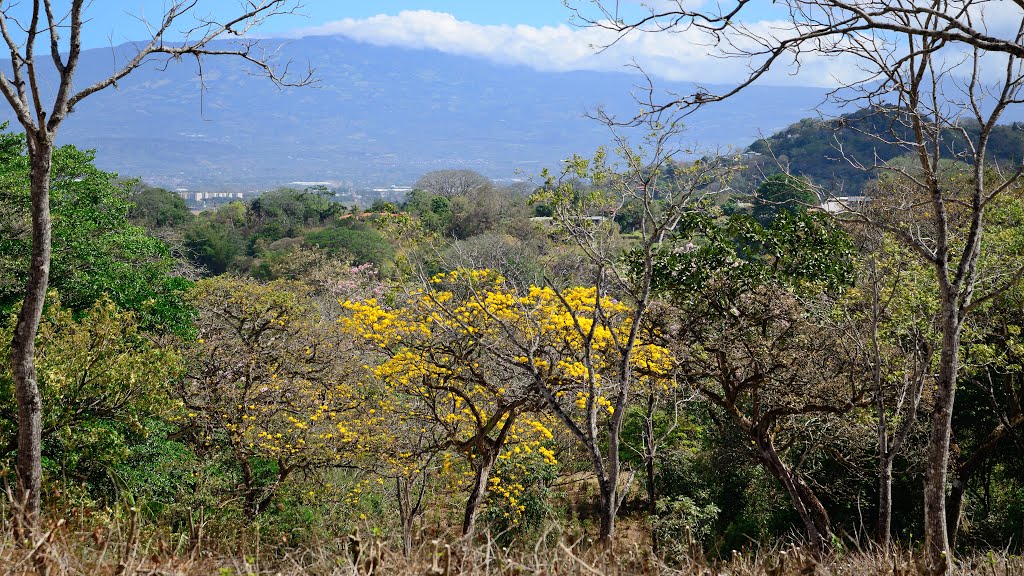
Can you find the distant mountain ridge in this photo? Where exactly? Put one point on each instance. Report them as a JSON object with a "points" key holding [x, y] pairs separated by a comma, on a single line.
{"points": [[379, 116]]}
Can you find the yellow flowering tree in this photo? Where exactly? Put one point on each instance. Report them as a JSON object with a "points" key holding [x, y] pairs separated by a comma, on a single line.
{"points": [[587, 356], [270, 386], [604, 331], [444, 363], [478, 355]]}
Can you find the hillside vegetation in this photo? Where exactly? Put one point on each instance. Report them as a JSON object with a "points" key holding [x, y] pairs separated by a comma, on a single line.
{"points": [[603, 373], [835, 152]]}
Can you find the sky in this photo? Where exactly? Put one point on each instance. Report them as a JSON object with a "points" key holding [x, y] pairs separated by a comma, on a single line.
{"points": [[117, 17], [534, 33]]}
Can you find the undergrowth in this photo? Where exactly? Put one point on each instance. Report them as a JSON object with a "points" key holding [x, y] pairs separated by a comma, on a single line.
{"points": [[59, 549]]}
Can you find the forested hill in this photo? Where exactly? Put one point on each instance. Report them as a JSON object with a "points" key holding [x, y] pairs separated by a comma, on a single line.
{"points": [[809, 147]]}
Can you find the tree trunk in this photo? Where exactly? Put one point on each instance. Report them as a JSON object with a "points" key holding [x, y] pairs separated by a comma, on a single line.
{"points": [[406, 511], [258, 498], [407, 525], [954, 508], [22, 357], [609, 485], [608, 511], [649, 455], [885, 452], [885, 502], [812, 513], [478, 492], [938, 556], [652, 489]]}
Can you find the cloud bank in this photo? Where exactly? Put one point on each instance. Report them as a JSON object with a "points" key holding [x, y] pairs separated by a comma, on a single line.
{"points": [[680, 56]]}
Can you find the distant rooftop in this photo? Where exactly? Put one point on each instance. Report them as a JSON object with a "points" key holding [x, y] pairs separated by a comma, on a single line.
{"points": [[840, 204]]}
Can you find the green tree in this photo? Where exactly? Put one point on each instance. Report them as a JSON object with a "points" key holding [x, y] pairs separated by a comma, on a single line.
{"points": [[96, 250], [105, 388], [157, 208], [215, 240], [783, 192], [755, 335], [283, 213], [41, 113], [354, 239], [434, 211]]}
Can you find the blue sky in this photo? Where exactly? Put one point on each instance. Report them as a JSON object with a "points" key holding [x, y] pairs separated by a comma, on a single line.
{"points": [[534, 33], [116, 18]]}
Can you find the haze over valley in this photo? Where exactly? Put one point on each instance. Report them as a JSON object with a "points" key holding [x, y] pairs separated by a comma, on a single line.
{"points": [[377, 117]]}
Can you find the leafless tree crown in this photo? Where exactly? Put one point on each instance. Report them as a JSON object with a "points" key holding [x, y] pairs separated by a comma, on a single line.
{"points": [[863, 30], [181, 30]]}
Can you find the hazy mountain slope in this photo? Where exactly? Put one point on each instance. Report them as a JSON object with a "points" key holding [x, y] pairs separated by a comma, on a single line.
{"points": [[378, 116]]}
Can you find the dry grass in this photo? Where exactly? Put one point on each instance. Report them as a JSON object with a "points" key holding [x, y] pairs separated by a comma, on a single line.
{"points": [[121, 547], [59, 550]]}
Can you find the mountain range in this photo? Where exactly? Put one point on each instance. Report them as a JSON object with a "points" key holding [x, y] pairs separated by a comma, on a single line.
{"points": [[377, 116]]}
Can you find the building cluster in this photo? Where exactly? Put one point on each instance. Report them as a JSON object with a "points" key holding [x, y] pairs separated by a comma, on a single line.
{"points": [[199, 197], [203, 200]]}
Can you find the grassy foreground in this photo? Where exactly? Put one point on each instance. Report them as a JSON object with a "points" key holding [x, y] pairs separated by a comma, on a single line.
{"points": [[119, 551]]}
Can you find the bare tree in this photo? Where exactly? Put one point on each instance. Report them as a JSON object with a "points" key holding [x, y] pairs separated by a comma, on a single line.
{"points": [[921, 65], [59, 27], [409, 492], [901, 357], [452, 183]]}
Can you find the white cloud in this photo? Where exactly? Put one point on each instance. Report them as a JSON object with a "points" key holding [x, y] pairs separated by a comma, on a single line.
{"points": [[679, 56]]}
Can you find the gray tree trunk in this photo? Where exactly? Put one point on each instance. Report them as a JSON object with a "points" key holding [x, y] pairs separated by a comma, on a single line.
{"points": [[885, 502], [22, 356], [407, 511], [608, 511], [937, 552], [954, 508], [610, 483], [478, 493]]}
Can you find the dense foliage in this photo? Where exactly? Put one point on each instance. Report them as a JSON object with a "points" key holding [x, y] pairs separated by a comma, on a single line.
{"points": [[96, 249], [290, 369]]}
